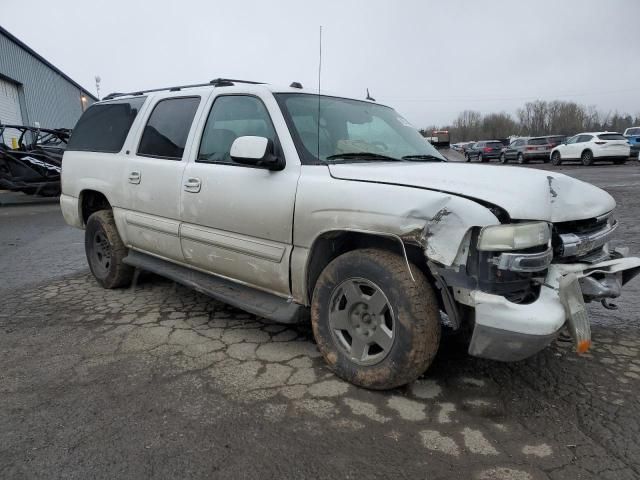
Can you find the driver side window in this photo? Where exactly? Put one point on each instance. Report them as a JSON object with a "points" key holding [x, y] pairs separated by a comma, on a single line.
{"points": [[572, 140], [233, 116]]}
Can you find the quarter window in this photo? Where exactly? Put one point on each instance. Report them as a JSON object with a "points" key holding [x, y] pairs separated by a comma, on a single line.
{"points": [[233, 116], [104, 126], [167, 129]]}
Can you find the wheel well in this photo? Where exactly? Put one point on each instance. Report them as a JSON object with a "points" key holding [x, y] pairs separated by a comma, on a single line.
{"points": [[586, 150], [91, 201], [331, 245]]}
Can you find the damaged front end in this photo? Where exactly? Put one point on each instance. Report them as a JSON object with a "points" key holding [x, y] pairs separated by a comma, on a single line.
{"points": [[524, 281]]}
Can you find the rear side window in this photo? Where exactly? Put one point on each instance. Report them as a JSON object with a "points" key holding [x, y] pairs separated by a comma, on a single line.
{"points": [[538, 141], [611, 136], [584, 138], [167, 129], [104, 127]]}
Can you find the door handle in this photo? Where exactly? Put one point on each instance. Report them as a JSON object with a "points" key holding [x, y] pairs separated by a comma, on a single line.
{"points": [[192, 185], [134, 177]]}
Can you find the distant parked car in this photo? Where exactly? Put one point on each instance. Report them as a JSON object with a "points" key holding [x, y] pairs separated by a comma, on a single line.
{"points": [[555, 140], [484, 151], [633, 135], [593, 146], [526, 149]]}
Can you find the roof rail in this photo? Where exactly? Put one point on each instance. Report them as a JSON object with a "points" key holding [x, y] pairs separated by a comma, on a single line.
{"points": [[216, 82]]}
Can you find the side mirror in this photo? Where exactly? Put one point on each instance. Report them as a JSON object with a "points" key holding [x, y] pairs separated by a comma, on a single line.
{"points": [[256, 151]]}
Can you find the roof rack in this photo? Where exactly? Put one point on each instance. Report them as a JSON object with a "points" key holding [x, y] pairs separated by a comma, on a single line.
{"points": [[216, 82]]}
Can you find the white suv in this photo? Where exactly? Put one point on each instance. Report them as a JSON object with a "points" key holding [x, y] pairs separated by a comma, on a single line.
{"points": [[285, 203], [591, 147]]}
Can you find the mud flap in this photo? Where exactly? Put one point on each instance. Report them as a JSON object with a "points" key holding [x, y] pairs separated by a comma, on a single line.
{"points": [[576, 310]]}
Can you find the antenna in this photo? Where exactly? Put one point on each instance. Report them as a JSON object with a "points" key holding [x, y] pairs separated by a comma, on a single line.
{"points": [[319, 83], [98, 80]]}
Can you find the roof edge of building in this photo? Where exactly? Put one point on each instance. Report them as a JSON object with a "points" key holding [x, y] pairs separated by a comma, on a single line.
{"points": [[26, 47]]}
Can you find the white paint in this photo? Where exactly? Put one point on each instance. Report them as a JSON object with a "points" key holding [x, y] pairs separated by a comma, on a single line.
{"points": [[475, 442], [426, 389], [542, 450], [407, 409], [365, 409], [523, 192], [446, 409], [435, 441]]}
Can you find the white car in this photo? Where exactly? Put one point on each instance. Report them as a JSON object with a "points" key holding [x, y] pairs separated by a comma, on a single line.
{"points": [[593, 146], [252, 194]]}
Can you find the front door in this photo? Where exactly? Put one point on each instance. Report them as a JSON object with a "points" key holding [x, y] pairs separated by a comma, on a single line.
{"points": [[570, 150], [153, 176], [238, 219]]}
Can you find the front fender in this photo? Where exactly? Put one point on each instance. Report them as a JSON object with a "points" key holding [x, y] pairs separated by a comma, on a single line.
{"points": [[435, 221]]}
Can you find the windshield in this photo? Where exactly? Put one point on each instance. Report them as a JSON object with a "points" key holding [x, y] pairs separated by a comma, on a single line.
{"points": [[351, 131], [633, 131]]}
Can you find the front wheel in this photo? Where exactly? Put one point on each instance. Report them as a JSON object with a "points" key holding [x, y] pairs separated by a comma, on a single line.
{"points": [[106, 251], [556, 159], [587, 158], [521, 159], [375, 326], [503, 158]]}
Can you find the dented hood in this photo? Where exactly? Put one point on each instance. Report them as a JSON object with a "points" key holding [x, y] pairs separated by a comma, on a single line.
{"points": [[526, 194]]}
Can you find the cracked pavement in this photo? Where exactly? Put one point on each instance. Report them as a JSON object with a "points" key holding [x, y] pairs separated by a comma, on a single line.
{"points": [[158, 381]]}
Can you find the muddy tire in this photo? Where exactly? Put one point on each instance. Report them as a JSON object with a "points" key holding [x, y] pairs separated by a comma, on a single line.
{"points": [[374, 325], [105, 251]]}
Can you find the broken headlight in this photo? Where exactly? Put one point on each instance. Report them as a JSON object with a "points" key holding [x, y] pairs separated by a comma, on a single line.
{"points": [[514, 236]]}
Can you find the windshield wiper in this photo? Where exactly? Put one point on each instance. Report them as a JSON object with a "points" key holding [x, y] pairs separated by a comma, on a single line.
{"points": [[363, 156], [423, 157]]}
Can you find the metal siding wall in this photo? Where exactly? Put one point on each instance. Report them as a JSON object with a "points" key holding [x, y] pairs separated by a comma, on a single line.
{"points": [[48, 97]]}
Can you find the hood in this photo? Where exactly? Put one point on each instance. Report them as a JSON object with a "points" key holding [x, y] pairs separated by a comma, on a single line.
{"points": [[526, 194]]}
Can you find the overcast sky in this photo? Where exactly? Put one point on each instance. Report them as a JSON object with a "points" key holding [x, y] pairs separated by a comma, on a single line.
{"points": [[428, 59]]}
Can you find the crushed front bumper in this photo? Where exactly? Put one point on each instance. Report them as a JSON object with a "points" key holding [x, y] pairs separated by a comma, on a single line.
{"points": [[510, 331]]}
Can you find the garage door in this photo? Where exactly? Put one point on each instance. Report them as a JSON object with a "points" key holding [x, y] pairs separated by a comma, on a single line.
{"points": [[9, 103]]}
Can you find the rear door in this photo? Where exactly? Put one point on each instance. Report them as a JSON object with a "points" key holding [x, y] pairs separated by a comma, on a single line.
{"points": [[152, 180], [512, 149], [581, 145], [238, 219]]}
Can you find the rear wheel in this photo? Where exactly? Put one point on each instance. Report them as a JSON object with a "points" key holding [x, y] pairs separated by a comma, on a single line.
{"points": [[375, 326], [587, 158], [521, 159], [467, 157], [556, 159], [480, 158], [503, 158], [106, 251]]}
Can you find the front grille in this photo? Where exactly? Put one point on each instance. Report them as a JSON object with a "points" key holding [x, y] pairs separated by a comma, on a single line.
{"points": [[582, 240]]}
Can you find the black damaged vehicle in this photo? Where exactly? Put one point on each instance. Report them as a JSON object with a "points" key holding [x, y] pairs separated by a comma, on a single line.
{"points": [[31, 159]]}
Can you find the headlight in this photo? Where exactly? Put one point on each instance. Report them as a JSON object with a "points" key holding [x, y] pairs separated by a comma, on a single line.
{"points": [[517, 236]]}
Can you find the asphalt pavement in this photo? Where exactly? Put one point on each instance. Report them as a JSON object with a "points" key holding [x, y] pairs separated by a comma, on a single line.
{"points": [[157, 381]]}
